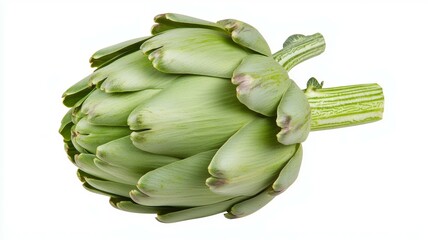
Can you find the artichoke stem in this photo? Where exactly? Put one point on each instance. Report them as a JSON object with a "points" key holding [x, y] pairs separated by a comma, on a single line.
{"points": [[343, 106], [298, 48]]}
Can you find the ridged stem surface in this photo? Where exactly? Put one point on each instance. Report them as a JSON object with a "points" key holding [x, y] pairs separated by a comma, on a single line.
{"points": [[298, 48], [344, 106]]}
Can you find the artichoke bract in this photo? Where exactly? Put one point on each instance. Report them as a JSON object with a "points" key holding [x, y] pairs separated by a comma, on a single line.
{"points": [[201, 118]]}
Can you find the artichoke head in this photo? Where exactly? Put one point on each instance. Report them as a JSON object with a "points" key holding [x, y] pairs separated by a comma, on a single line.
{"points": [[197, 119]]}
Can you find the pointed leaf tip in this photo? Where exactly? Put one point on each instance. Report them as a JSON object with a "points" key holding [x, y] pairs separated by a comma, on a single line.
{"points": [[239, 160], [246, 36], [107, 55], [250, 205], [293, 116], [289, 173], [261, 82], [195, 51], [168, 21]]}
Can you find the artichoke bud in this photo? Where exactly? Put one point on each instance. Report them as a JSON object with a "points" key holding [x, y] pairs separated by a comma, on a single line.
{"points": [[182, 123]]}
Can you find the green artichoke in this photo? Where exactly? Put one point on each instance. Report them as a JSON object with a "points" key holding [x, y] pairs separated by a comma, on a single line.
{"points": [[200, 118]]}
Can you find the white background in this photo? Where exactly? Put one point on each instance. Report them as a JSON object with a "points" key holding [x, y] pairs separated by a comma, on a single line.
{"points": [[366, 182]]}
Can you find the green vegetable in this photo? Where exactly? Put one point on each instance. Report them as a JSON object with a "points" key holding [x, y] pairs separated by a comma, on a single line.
{"points": [[200, 118]]}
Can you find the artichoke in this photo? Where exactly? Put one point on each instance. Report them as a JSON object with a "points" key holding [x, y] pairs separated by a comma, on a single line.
{"points": [[200, 118]]}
